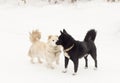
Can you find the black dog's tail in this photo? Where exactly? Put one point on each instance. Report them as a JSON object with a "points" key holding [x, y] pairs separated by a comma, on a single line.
{"points": [[91, 35]]}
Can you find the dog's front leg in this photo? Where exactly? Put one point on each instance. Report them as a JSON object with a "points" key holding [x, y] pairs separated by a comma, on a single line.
{"points": [[32, 60], [50, 65], [57, 59], [75, 62], [66, 64]]}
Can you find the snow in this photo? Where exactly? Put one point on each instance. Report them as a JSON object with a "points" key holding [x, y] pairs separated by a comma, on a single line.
{"points": [[17, 21]]}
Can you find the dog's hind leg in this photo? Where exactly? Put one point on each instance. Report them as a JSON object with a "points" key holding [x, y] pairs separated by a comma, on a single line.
{"points": [[86, 61], [94, 56], [31, 55], [57, 60]]}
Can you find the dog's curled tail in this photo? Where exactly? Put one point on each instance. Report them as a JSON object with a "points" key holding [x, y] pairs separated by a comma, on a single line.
{"points": [[91, 35]]}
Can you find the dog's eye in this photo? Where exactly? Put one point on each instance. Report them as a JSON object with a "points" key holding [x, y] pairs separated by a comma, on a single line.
{"points": [[53, 40]]}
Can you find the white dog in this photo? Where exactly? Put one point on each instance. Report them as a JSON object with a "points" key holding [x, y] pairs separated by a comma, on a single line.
{"points": [[53, 51]]}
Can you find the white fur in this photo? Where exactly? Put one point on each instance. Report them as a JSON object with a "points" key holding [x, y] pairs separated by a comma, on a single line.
{"points": [[95, 68], [37, 50], [53, 51], [85, 55], [65, 70], [66, 55], [49, 51], [74, 74]]}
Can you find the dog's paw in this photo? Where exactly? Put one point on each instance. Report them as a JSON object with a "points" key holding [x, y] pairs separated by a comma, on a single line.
{"points": [[57, 63], [40, 62], [85, 67], [32, 62], [95, 68], [51, 67], [74, 74], [64, 71]]}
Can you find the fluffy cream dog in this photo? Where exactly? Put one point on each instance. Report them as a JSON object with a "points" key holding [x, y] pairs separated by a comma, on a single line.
{"points": [[53, 51], [38, 48], [49, 51]]}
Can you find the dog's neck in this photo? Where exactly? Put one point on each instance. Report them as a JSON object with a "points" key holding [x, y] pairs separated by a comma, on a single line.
{"points": [[68, 49], [53, 49]]}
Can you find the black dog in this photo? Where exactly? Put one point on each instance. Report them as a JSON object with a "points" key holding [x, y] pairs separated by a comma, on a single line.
{"points": [[77, 49]]}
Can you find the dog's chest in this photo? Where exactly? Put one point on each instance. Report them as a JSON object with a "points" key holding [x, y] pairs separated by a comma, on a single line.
{"points": [[66, 55]]}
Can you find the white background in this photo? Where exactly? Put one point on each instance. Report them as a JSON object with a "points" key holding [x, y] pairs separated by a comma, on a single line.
{"points": [[17, 20]]}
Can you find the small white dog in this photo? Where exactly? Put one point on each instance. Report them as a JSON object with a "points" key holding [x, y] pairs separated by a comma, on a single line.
{"points": [[53, 51], [49, 51]]}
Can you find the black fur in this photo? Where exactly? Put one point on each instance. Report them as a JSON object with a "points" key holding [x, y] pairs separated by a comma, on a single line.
{"points": [[80, 48]]}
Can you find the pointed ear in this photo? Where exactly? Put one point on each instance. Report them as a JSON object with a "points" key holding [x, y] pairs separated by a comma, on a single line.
{"points": [[64, 31], [49, 37], [61, 32]]}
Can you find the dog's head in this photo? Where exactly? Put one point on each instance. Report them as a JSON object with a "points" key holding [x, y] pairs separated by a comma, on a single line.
{"points": [[65, 39], [34, 35], [52, 39]]}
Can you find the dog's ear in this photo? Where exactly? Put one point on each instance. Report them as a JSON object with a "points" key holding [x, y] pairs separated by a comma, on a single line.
{"points": [[64, 31], [49, 37], [61, 32]]}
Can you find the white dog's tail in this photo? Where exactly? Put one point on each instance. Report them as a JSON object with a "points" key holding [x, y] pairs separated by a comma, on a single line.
{"points": [[35, 35]]}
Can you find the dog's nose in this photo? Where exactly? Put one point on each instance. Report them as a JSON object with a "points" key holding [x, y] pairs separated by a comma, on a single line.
{"points": [[57, 42]]}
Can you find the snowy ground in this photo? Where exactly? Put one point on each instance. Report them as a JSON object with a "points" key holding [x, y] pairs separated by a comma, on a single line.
{"points": [[17, 21]]}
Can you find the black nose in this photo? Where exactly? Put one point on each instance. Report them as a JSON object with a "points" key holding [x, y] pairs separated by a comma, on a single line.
{"points": [[57, 42]]}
